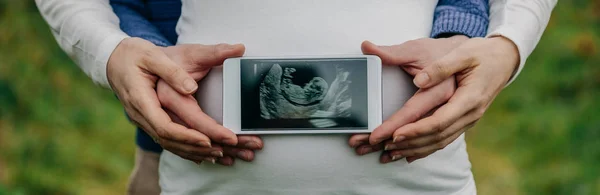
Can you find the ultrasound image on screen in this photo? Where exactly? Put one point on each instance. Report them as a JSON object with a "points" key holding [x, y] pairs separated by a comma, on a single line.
{"points": [[305, 94]]}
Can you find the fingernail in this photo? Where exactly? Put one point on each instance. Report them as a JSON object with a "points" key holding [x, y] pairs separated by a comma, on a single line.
{"points": [[190, 85], [421, 79], [205, 144], [396, 157], [217, 153], [398, 139], [390, 147]]}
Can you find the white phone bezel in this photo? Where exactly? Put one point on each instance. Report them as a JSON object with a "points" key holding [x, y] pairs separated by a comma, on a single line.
{"points": [[232, 93]]}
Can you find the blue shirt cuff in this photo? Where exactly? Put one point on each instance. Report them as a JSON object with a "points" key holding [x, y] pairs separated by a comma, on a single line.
{"points": [[456, 22]]}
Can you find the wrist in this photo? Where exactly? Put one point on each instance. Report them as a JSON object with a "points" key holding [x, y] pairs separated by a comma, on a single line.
{"points": [[458, 38], [508, 50]]}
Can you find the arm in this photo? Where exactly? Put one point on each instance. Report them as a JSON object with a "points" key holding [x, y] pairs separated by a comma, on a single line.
{"points": [[483, 67], [454, 22], [87, 31], [182, 109], [522, 22]]}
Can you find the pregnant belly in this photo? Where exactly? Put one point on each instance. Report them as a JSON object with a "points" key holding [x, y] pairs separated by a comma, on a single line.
{"points": [[323, 163]]}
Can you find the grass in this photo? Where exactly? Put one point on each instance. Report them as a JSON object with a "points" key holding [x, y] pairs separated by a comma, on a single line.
{"points": [[60, 134]]}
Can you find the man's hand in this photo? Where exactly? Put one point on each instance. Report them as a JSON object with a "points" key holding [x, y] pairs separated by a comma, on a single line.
{"points": [[482, 67], [133, 70], [412, 56], [197, 60]]}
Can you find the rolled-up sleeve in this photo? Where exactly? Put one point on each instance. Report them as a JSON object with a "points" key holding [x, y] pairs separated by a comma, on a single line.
{"points": [[521, 21], [88, 31]]}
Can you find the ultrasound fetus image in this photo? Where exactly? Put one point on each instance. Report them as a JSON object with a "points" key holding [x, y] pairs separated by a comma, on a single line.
{"points": [[304, 94]]}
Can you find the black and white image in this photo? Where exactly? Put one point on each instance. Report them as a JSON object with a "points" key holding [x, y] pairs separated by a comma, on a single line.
{"points": [[303, 94]]}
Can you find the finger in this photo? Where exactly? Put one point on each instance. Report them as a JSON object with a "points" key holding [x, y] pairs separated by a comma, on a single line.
{"points": [[157, 62], [144, 100], [358, 139], [215, 151], [459, 105], [226, 161], [386, 157], [139, 121], [186, 108], [244, 154], [416, 107], [460, 126], [250, 142], [390, 55], [366, 148], [443, 68], [417, 153], [176, 119], [213, 55], [194, 158]]}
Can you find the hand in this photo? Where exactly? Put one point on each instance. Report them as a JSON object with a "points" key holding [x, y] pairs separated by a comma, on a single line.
{"points": [[482, 67], [197, 60], [133, 70], [412, 56]]}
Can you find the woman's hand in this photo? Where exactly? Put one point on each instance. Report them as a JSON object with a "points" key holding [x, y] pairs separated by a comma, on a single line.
{"points": [[482, 67], [197, 60], [133, 70], [412, 56]]}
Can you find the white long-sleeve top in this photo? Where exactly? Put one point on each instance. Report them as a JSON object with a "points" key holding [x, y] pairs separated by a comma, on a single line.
{"points": [[89, 32]]}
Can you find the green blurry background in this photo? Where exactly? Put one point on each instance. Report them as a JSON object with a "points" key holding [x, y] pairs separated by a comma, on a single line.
{"points": [[60, 134]]}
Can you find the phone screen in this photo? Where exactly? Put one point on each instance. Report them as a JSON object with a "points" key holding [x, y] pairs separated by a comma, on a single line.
{"points": [[303, 94]]}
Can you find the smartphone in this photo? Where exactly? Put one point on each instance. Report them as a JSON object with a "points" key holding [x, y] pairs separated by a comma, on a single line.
{"points": [[302, 94]]}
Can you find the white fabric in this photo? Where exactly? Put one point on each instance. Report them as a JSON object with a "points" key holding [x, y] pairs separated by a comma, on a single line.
{"points": [[521, 21], [87, 30], [312, 164]]}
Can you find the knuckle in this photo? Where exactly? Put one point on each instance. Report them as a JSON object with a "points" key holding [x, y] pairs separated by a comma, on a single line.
{"points": [[162, 132], [149, 54], [447, 94], [412, 144], [440, 126], [138, 103], [165, 99], [172, 72], [439, 137], [440, 69], [215, 51]]}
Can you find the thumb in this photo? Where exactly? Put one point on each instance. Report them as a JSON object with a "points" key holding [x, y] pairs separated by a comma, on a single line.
{"points": [[390, 55], [443, 69], [209, 56]]}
